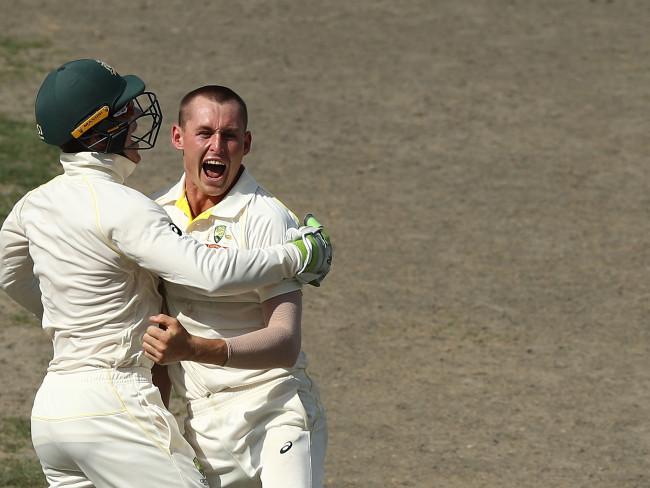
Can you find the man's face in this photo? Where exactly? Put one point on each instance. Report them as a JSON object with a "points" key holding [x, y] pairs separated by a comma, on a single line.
{"points": [[130, 112], [214, 143], [99, 142]]}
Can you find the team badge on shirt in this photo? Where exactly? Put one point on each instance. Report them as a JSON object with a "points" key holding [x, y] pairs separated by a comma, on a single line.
{"points": [[219, 232]]}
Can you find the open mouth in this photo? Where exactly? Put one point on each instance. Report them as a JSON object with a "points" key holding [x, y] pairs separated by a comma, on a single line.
{"points": [[213, 169]]}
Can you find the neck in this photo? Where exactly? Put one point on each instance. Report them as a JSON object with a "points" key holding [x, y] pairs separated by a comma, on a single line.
{"points": [[200, 202]]}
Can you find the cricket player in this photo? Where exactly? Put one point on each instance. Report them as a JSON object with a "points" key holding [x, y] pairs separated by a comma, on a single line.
{"points": [[254, 415], [84, 253]]}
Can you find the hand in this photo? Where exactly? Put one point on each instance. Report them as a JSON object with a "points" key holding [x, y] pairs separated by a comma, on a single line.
{"points": [[316, 249], [167, 342]]}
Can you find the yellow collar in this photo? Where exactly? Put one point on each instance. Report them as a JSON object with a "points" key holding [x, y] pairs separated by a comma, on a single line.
{"points": [[184, 205]]}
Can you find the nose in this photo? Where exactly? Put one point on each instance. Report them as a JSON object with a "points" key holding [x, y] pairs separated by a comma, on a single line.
{"points": [[217, 142]]}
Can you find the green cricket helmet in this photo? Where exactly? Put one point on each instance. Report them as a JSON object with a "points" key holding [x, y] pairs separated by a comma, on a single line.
{"points": [[89, 102]]}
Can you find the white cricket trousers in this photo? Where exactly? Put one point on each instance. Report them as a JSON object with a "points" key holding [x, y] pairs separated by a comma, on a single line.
{"points": [[272, 435], [109, 428]]}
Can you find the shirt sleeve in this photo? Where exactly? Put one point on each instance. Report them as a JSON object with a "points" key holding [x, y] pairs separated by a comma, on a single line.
{"points": [[269, 228], [16, 265], [142, 230]]}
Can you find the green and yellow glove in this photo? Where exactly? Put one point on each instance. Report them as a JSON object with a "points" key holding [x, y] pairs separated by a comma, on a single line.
{"points": [[315, 247]]}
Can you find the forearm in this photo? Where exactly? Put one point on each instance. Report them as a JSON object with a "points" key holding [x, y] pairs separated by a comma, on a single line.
{"points": [[27, 295], [16, 266], [209, 272], [263, 349], [209, 351], [275, 346]]}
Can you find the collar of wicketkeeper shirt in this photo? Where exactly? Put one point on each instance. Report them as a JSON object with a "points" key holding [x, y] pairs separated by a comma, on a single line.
{"points": [[112, 167], [228, 208]]}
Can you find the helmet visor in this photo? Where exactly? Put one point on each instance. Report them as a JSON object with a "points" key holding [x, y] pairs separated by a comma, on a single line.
{"points": [[145, 123], [134, 126]]}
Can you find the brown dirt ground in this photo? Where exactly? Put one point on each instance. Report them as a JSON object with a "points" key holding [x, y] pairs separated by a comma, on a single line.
{"points": [[482, 167]]}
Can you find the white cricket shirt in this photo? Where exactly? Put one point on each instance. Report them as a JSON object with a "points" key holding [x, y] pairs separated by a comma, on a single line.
{"points": [[248, 217], [84, 251]]}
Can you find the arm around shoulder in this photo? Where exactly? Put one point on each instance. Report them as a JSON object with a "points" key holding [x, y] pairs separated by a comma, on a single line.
{"points": [[150, 238]]}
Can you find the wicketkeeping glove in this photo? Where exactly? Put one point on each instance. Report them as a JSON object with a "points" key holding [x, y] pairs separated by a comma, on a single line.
{"points": [[316, 249]]}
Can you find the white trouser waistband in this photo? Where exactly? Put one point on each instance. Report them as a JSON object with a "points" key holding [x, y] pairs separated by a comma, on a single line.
{"points": [[114, 375], [194, 407]]}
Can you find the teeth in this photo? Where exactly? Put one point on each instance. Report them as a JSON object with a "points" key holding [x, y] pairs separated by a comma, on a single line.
{"points": [[213, 168], [213, 163]]}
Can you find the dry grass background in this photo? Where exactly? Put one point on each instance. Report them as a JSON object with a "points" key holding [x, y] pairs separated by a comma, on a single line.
{"points": [[482, 167]]}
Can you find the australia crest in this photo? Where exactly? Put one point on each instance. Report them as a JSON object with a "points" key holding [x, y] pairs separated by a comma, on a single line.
{"points": [[219, 232]]}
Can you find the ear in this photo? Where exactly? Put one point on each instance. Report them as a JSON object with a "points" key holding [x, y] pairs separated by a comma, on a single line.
{"points": [[248, 140], [177, 137]]}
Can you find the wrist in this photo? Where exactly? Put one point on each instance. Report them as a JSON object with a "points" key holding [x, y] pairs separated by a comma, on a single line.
{"points": [[298, 254], [302, 249], [210, 351]]}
